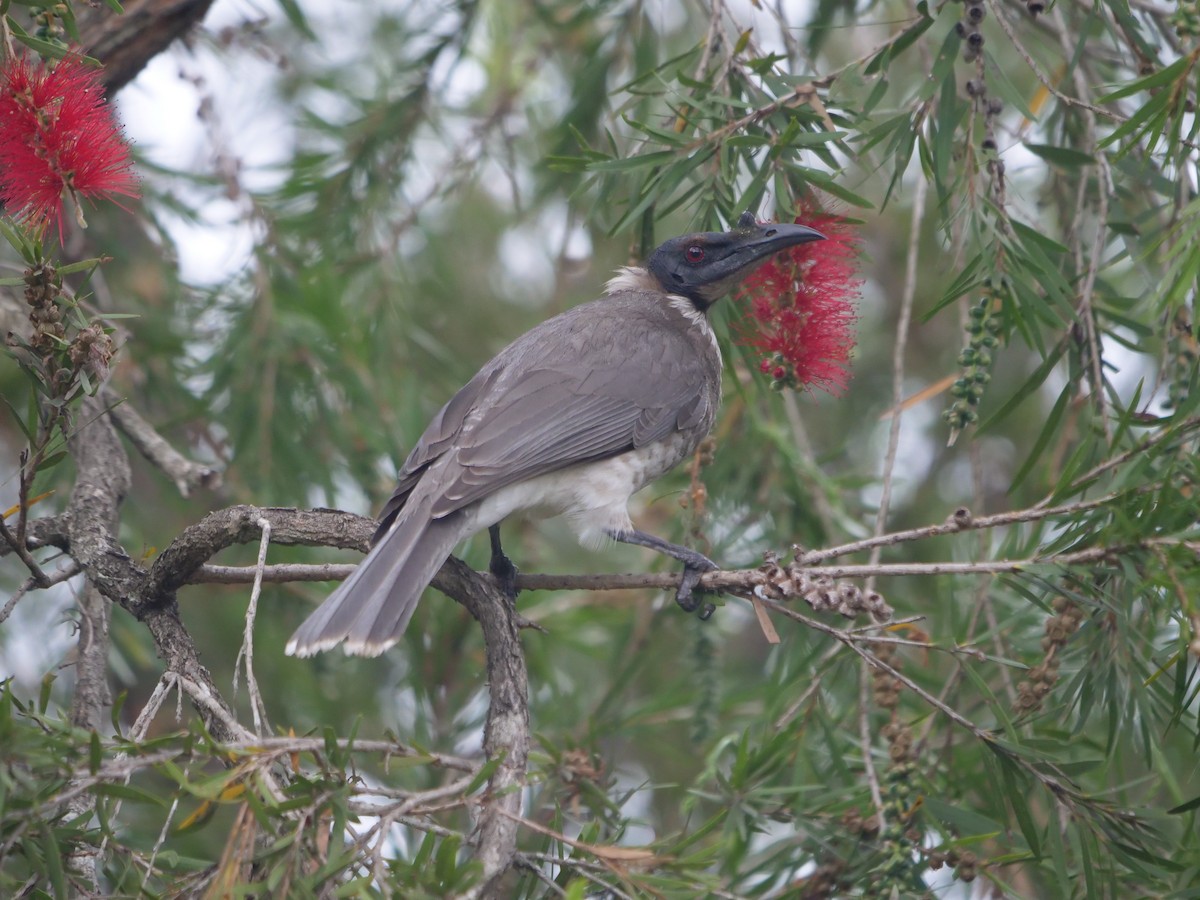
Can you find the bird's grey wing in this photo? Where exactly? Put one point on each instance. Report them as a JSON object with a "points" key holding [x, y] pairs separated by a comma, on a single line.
{"points": [[439, 436], [630, 384]]}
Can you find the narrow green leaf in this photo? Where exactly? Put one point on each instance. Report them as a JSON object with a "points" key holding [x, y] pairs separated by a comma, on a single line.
{"points": [[81, 265], [1053, 421], [1031, 384], [53, 856], [1016, 796], [1061, 156], [95, 753], [17, 418], [1171, 73], [968, 279], [900, 43], [631, 163], [130, 793], [1194, 803]]}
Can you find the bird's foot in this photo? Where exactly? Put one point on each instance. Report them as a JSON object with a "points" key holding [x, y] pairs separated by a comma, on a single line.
{"points": [[695, 565], [501, 567], [505, 573]]}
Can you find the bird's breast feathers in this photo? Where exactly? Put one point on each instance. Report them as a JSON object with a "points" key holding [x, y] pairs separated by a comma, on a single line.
{"points": [[593, 496]]}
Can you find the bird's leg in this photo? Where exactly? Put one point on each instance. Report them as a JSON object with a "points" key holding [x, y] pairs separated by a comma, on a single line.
{"points": [[501, 566], [695, 564]]}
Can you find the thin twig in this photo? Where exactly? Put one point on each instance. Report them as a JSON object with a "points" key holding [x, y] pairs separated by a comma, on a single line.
{"points": [[64, 574], [900, 349], [17, 545], [865, 741], [257, 708], [746, 579], [186, 475], [998, 13]]}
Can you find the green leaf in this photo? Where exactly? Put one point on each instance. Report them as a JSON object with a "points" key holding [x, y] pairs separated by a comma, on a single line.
{"points": [[1188, 806], [17, 418], [968, 279], [1061, 156], [53, 857], [95, 753], [1016, 796], [48, 49], [81, 265], [962, 819], [129, 792], [1162, 77], [631, 163], [901, 42], [1032, 383], [1048, 431], [485, 772], [296, 16]]}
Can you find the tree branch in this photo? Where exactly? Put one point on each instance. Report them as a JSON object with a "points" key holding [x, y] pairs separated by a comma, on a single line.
{"points": [[186, 475], [127, 41]]}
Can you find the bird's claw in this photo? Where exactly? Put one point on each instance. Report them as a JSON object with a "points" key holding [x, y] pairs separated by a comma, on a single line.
{"points": [[693, 567], [505, 573]]}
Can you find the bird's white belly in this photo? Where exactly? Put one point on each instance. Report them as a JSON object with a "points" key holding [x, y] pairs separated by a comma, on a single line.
{"points": [[594, 496]]}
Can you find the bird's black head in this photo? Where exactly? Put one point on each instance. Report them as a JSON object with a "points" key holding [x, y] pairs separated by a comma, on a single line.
{"points": [[705, 267]]}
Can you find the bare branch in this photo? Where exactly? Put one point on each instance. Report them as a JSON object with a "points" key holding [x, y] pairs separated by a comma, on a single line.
{"points": [[175, 566], [126, 41], [246, 655], [17, 546], [64, 574], [720, 581], [186, 475], [276, 574]]}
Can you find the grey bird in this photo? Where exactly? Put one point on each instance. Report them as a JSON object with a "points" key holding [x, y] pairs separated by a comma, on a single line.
{"points": [[573, 417]]}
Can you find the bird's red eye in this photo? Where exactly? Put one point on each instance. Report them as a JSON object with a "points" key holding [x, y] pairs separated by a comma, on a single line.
{"points": [[694, 253]]}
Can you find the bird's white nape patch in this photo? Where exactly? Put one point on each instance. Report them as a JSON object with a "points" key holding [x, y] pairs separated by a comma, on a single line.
{"points": [[697, 317], [632, 278]]}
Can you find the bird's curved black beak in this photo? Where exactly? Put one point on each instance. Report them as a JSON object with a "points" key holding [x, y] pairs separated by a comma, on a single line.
{"points": [[761, 239]]}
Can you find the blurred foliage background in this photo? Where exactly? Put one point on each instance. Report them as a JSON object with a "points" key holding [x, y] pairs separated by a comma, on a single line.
{"points": [[396, 190]]}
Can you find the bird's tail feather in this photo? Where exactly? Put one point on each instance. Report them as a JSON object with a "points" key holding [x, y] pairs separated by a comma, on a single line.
{"points": [[370, 610]]}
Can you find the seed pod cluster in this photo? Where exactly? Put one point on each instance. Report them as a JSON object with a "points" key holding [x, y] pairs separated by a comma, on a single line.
{"points": [[855, 823], [974, 12], [1186, 18], [65, 351], [822, 593], [900, 835], [43, 288], [885, 687], [826, 881], [1180, 363], [988, 107], [49, 24], [1041, 678], [975, 361], [964, 863]]}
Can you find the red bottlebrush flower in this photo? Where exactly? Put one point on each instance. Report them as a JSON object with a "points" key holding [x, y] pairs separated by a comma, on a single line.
{"points": [[800, 308], [56, 134]]}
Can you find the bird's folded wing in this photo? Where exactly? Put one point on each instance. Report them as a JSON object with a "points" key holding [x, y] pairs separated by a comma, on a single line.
{"points": [[574, 389], [555, 420]]}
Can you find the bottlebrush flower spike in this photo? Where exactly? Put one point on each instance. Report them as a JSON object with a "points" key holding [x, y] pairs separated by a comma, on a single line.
{"points": [[57, 134], [800, 308]]}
